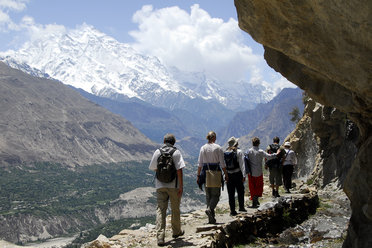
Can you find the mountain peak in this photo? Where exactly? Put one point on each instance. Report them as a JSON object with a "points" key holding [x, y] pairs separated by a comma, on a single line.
{"points": [[88, 59]]}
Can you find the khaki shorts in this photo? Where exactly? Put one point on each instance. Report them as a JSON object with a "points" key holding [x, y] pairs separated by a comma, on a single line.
{"points": [[275, 176]]}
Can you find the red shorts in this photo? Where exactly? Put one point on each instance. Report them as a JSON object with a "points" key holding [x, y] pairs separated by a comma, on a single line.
{"points": [[255, 185]]}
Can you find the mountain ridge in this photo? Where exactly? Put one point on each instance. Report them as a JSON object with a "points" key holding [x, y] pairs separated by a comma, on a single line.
{"points": [[44, 120], [266, 120]]}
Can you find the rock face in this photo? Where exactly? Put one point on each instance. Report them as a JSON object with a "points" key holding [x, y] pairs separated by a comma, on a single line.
{"points": [[325, 143], [325, 47]]}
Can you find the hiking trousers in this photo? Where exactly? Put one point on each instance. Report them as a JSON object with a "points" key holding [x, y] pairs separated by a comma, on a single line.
{"points": [[287, 176], [212, 196], [163, 196], [235, 183]]}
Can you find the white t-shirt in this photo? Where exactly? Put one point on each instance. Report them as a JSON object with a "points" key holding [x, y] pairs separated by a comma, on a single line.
{"points": [[211, 153], [256, 157], [290, 158], [178, 162]]}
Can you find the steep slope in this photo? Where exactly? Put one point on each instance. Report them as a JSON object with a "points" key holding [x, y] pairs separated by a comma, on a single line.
{"points": [[43, 120], [266, 120]]}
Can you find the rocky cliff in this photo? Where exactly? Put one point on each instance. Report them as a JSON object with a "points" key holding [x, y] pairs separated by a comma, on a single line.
{"points": [[325, 47], [326, 144]]}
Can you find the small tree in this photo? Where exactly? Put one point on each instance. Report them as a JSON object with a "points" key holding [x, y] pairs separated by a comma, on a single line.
{"points": [[295, 114]]}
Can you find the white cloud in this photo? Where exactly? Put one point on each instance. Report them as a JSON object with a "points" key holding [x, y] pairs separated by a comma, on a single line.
{"points": [[7, 6], [17, 5], [197, 42], [39, 31]]}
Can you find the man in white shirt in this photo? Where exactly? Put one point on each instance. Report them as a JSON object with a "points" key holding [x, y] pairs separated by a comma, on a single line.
{"points": [[255, 178], [171, 191], [211, 158]]}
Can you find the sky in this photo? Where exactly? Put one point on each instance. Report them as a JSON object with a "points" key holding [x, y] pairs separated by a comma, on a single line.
{"points": [[191, 35]]}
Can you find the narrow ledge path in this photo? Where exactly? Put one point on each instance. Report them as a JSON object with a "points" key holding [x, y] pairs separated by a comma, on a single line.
{"points": [[229, 230]]}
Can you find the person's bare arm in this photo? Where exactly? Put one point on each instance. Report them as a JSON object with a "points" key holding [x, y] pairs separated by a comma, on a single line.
{"points": [[226, 175]]}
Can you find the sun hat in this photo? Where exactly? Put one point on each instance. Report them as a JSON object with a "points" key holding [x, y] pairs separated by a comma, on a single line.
{"points": [[232, 141], [287, 144]]}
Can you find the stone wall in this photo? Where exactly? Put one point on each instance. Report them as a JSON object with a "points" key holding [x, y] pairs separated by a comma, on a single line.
{"points": [[325, 47], [267, 223]]}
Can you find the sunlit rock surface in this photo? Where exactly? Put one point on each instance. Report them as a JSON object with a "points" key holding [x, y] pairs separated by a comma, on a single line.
{"points": [[324, 47]]}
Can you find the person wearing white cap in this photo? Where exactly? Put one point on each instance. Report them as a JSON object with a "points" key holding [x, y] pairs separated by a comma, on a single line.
{"points": [[289, 161]]}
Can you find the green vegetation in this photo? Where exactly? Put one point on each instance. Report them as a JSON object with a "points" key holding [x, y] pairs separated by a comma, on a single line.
{"points": [[310, 181], [51, 189], [46, 190], [295, 115], [323, 205]]}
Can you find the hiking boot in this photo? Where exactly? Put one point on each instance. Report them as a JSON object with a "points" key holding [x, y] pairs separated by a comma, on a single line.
{"points": [[233, 213], [255, 202], [242, 210], [161, 243], [211, 219], [287, 191], [178, 235], [277, 193], [274, 193]]}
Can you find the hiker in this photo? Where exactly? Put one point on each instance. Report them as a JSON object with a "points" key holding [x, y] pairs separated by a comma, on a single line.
{"points": [[289, 161], [234, 160], [169, 186], [275, 167], [255, 178], [210, 163]]}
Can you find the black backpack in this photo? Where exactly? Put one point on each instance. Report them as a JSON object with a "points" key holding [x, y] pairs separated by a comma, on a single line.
{"points": [[275, 162], [231, 160], [247, 164], [166, 170]]}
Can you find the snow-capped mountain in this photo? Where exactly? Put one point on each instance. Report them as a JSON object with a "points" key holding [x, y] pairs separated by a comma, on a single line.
{"points": [[89, 59], [235, 96]]}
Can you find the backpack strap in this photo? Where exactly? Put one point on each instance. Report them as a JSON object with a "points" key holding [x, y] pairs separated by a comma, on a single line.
{"points": [[283, 160], [172, 150]]}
